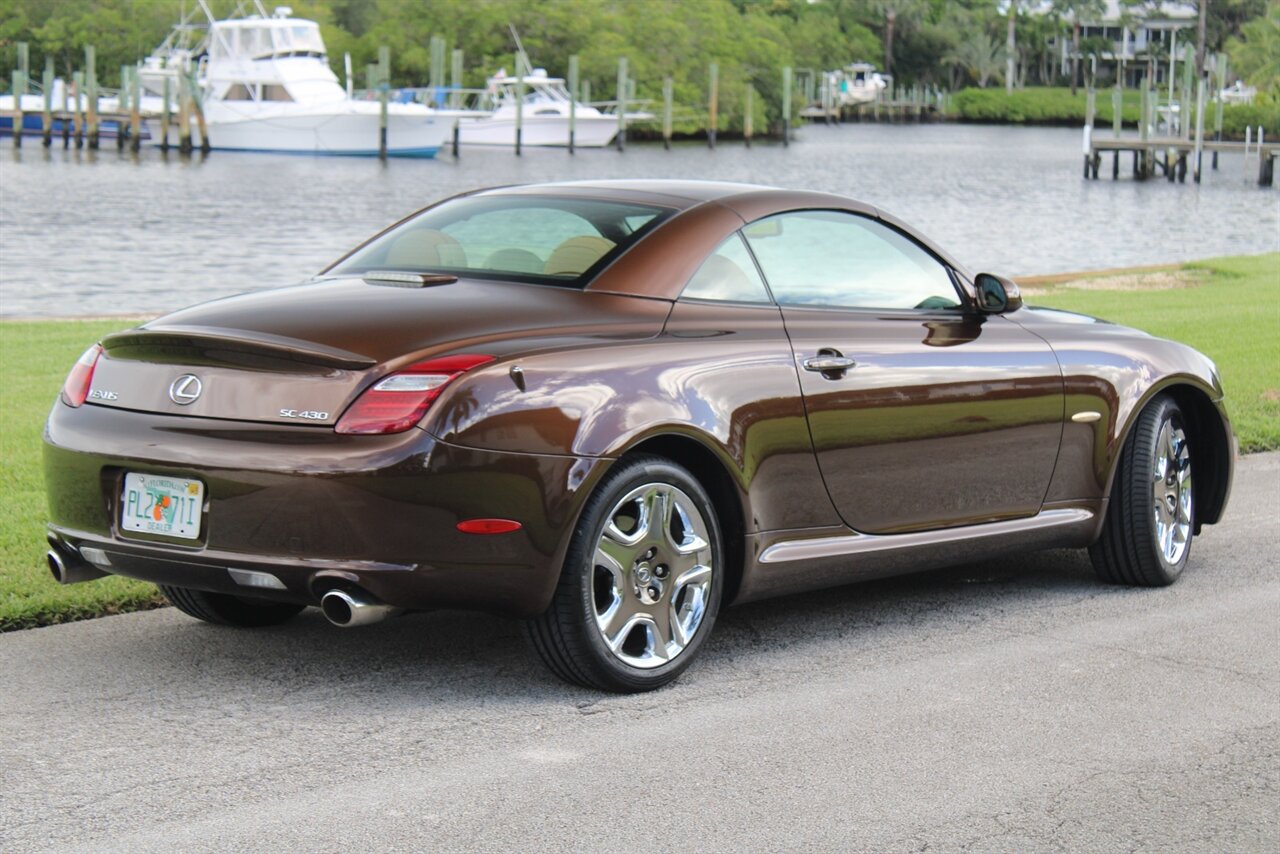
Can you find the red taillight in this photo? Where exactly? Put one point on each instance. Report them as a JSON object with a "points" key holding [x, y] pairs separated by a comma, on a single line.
{"points": [[76, 389], [398, 401], [488, 526]]}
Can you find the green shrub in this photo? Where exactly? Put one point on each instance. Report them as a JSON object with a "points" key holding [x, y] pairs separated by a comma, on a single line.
{"points": [[1057, 106]]}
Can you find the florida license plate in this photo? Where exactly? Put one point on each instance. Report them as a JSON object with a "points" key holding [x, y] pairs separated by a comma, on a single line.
{"points": [[168, 506]]}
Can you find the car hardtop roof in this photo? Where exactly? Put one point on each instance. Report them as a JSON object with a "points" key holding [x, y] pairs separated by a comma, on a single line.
{"points": [[683, 194]]}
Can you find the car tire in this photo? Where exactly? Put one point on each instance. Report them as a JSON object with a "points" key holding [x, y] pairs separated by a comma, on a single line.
{"points": [[635, 601], [224, 609], [1150, 521]]}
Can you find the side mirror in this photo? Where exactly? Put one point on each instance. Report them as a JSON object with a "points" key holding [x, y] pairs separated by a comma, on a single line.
{"points": [[996, 294]]}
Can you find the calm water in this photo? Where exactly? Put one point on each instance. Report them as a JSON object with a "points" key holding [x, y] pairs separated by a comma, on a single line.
{"points": [[102, 233]]}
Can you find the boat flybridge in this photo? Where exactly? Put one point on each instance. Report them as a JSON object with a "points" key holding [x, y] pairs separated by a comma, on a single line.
{"points": [[266, 85], [544, 119]]}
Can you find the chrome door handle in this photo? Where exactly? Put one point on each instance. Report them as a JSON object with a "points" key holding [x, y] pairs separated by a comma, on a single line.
{"points": [[825, 364]]}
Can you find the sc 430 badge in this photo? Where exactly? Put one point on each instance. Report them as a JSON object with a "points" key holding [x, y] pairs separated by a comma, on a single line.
{"points": [[305, 414]]}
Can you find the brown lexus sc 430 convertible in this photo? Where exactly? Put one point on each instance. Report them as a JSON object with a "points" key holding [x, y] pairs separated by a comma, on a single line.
{"points": [[613, 408]]}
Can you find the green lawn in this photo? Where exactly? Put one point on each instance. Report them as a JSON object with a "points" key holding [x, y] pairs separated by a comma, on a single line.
{"points": [[34, 360], [1233, 316]]}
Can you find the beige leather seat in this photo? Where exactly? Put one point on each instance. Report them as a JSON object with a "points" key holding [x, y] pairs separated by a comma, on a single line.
{"points": [[426, 248], [514, 261], [720, 278], [576, 255]]}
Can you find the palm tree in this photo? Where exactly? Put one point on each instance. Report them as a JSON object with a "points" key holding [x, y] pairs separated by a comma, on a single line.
{"points": [[895, 12], [1256, 55], [979, 55], [1078, 10]]}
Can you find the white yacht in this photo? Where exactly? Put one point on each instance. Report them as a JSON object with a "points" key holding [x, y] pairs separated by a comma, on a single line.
{"points": [[266, 85], [545, 117]]}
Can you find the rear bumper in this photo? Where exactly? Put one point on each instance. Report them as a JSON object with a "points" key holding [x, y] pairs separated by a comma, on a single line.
{"points": [[318, 510]]}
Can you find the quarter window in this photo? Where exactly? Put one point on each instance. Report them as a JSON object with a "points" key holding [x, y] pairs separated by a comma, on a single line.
{"points": [[728, 275], [831, 258]]}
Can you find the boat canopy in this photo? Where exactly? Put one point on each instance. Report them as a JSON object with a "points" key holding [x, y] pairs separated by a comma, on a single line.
{"points": [[265, 38]]}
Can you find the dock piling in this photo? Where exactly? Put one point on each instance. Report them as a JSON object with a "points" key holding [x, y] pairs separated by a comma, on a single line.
{"points": [[78, 98], [748, 120], [197, 108], [122, 105], [91, 93], [713, 102], [46, 120], [184, 113], [622, 103], [668, 94], [786, 106], [384, 95], [135, 110], [573, 100], [19, 89], [1199, 149], [166, 116]]}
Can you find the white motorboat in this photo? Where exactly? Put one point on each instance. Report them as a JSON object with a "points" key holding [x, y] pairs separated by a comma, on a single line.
{"points": [[266, 85], [544, 115], [860, 83]]}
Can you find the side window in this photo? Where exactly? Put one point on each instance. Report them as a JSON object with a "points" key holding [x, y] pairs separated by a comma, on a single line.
{"points": [[832, 258], [728, 275]]}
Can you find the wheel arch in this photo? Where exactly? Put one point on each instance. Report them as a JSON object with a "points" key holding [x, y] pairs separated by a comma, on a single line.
{"points": [[713, 473], [1208, 428]]}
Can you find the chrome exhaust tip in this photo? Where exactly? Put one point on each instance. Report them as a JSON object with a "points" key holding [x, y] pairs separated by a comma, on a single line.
{"points": [[351, 609], [70, 568]]}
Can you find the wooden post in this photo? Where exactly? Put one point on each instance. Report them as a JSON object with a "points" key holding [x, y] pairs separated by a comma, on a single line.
{"points": [[622, 103], [384, 94], [1199, 150], [197, 107], [668, 94], [77, 108], [573, 100], [166, 116], [46, 85], [748, 120], [1220, 64], [1117, 103], [122, 106], [586, 92], [91, 92], [455, 79], [713, 103], [437, 68], [184, 113], [1144, 109], [19, 88], [135, 109], [66, 114], [786, 106], [519, 103]]}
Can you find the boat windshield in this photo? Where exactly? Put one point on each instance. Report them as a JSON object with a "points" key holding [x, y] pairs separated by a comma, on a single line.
{"points": [[546, 240]]}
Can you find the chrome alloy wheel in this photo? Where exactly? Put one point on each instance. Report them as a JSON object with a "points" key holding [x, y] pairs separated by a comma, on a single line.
{"points": [[1171, 491], [652, 575]]}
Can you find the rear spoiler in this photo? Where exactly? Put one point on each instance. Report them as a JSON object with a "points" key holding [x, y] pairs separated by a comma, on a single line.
{"points": [[134, 344]]}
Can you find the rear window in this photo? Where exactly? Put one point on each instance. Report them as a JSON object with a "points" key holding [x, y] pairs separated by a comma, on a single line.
{"points": [[537, 239]]}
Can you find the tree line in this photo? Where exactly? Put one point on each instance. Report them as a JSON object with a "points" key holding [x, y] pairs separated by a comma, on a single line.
{"points": [[948, 44]]}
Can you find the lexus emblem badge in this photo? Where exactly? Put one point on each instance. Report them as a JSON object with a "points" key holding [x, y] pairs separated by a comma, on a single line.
{"points": [[185, 389]]}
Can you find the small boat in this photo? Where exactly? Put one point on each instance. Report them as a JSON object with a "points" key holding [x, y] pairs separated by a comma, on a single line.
{"points": [[266, 85], [544, 120], [860, 83]]}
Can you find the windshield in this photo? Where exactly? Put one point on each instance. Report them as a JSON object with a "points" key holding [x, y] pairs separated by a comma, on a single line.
{"points": [[537, 239]]}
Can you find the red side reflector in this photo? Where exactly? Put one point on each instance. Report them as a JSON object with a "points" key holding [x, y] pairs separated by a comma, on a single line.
{"points": [[76, 389], [489, 526]]}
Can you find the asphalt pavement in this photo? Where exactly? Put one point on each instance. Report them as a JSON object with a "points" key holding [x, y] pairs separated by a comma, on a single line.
{"points": [[1017, 705]]}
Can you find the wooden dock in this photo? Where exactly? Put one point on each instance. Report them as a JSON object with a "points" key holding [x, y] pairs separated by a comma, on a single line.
{"points": [[1172, 157]]}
